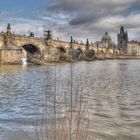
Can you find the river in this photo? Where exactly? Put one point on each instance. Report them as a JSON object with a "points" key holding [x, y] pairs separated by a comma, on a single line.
{"points": [[100, 100]]}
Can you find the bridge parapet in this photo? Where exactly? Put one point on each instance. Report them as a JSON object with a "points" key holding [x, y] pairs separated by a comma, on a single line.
{"points": [[24, 40], [66, 45]]}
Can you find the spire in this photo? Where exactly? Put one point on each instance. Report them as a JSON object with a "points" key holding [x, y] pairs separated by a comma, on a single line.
{"points": [[71, 39], [122, 30], [126, 36], [71, 42], [106, 33], [126, 33], [87, 44]]}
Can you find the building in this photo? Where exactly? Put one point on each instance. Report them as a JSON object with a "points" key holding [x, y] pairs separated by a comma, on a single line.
{"points": [[133, 48], [106, 40], [9, 52], [122, 41], [127, 47], [105, 44], [105, 48]]}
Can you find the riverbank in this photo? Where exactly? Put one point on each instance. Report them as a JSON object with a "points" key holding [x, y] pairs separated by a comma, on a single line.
{"points": [[99, 58], [128, 57]]}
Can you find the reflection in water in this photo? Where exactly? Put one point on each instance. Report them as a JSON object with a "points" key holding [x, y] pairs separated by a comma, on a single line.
{"points": [[24, 61], [105, 100]]}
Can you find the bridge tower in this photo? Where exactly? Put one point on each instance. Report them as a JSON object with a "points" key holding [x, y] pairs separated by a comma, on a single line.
{"points": [[122, 40]]}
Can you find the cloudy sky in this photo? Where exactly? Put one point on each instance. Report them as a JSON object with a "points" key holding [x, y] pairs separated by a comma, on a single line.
{"points": [[80, 18]]}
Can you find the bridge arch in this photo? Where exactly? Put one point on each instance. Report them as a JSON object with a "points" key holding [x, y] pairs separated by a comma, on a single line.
{"points": [[62, 49], [31, 51], [63, 52], [81, 51]]}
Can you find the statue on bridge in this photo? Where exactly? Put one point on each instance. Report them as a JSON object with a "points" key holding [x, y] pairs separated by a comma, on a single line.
{"points": [[9, 27], [8, 37]]}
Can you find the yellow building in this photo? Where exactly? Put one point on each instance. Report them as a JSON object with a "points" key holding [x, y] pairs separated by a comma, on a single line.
{"points": [[133, 48]]}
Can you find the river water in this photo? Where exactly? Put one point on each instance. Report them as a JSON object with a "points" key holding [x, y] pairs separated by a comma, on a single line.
{"points": [[106, 93]]}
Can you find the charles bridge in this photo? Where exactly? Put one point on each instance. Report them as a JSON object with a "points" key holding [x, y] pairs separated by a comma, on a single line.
{"points": [[47, 49]]}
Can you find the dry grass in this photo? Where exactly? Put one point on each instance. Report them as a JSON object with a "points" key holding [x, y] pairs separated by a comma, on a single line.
{"points": [[73, 123]]}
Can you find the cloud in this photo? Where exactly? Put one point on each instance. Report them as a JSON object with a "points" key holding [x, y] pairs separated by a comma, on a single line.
{"points": [[85, 11], [24, 26], [80, 18], [89, 18]]}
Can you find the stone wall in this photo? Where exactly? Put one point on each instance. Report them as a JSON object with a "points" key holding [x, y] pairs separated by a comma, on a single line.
{"points": [[52, 55], [10, 56]]}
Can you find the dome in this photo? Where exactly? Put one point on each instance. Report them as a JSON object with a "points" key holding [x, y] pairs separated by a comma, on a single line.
{"points": [[106, 37]]}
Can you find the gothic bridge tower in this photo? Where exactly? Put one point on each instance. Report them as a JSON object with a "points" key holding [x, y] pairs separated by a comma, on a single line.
{"points": [[122, 41]]}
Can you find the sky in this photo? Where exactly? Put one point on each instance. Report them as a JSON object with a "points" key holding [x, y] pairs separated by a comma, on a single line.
{"points": [[81, 19]]}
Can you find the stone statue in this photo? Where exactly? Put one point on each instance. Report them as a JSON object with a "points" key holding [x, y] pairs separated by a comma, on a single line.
{"points": [[8, 38], [9, 27]]}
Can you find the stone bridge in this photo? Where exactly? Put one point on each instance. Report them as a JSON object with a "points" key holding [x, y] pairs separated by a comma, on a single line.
{"points": [[64, 47], [21, 41], [80, 46], [39, 46]]}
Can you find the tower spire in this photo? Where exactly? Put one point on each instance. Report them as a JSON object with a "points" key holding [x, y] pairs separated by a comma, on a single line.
{"points": [[71, 42], [87, 44], [122, 40], [126, 36]]}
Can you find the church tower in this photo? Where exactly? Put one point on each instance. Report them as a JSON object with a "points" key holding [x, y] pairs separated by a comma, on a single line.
{"points": [[122, 41]]}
